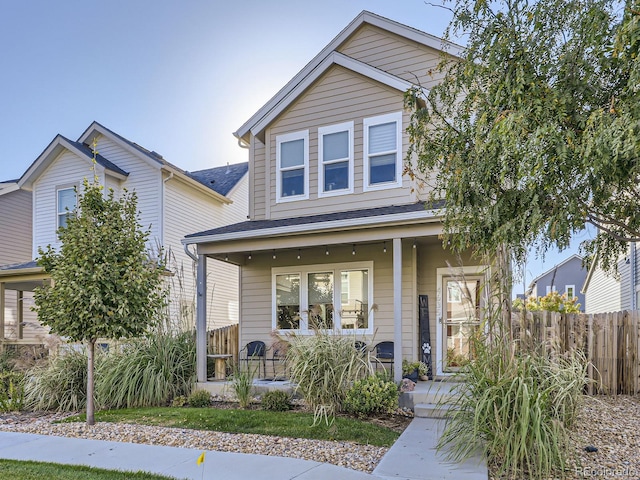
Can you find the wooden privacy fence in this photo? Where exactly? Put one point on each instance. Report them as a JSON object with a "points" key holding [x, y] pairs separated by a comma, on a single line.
{"points": [[224, 340], [610, 342]]}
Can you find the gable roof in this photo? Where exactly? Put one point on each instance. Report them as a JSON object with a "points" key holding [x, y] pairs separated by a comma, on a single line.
{"points": [[555, 267], [321, 62], [8, 186], [156, 160], [221, 179], [54, 148]]}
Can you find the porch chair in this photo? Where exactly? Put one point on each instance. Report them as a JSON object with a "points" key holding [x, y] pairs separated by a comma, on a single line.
{"points": [[278, 357], [384, 354], [255, 351]]}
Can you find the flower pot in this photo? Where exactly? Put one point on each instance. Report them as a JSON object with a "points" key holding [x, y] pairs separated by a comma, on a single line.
{"points": [[424, 378], [413, 376]]}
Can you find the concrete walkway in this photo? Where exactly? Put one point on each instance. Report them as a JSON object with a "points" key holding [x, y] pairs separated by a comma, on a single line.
{"points": [[412, 457]]}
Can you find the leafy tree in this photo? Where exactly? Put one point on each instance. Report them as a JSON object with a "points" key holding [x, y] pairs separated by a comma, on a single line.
{"points": [[103, 282], [551, 302], [535, 131]]}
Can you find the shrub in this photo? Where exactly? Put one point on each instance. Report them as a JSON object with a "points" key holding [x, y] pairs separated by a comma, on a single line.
{"points": [[324, 366], [276, 400], [148, 371], [515, 408], [11, 391], [200, 399], [60, 383], [242, 386], [179, 401], [371, 395]]}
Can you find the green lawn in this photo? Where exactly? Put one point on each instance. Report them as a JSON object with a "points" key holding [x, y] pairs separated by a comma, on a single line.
{"points": [[22, 470], [283, 424]]}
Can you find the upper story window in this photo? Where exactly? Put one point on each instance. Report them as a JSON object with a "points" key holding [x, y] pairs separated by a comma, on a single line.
{"points": [[66, 204], [335, 159], [382, 151], [292, 157], [570, 291]]}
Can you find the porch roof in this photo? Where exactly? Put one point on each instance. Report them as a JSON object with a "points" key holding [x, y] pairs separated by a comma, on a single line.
{"points": [[365, 217]]}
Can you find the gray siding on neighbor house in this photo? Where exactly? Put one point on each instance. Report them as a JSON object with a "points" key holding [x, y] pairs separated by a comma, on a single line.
{"points": [[569, 273]]}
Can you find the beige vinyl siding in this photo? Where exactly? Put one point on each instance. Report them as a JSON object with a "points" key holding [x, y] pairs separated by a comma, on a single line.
{"points": [[66, 170], [188, 211], [15, 227], [144, 178], [394, 54], [338, 96], [256, 299], [258, 180], [603, 293]]}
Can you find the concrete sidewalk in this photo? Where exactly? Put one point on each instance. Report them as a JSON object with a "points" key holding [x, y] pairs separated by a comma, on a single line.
{"points": [[171, 461], [412, 457]]}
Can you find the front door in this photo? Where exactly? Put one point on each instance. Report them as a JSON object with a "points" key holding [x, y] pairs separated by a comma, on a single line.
{"points": [[460, 320]]}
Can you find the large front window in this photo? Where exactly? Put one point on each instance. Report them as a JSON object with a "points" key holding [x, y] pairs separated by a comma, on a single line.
{"points": [[382, 151], [335, 167], [292, 155], [343, 305], [66, 204]]}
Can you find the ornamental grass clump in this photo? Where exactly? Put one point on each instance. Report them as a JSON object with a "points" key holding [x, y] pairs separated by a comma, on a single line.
{"points": [[148, 371], [324, 366], [516, 408], [60, 383]]}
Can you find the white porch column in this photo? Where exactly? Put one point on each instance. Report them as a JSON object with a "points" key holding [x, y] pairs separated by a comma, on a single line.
{"points": [[397, 309], [201, 319], [1, 315]]}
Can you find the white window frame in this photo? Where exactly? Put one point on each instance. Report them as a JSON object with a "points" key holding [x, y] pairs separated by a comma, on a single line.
{"points": [[289, 137], [337, 269], [371, 122], [566, 291], [322, 131], [549, 289], [59, 189]]}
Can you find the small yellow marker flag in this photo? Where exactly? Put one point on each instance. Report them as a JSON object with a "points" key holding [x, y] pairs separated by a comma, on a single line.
{"points": [[200, 459]]}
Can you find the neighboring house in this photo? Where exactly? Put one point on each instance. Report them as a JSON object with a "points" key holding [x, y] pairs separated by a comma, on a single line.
{"points": [[337, 232], [566, 278], [171, 202], [607, 292], [15, 247]]}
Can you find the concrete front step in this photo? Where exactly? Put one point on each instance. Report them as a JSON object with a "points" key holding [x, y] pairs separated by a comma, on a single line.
{"points": [[429, 393], [431, 410]]}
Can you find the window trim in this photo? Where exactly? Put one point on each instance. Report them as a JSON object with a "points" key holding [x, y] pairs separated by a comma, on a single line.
{"points": [[337, 269], [371, 122], [327, 130], [566, 291], [289, 137], [59, 189]]}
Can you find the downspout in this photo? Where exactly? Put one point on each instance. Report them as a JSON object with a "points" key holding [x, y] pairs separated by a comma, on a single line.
{"points": [[193, 256]]}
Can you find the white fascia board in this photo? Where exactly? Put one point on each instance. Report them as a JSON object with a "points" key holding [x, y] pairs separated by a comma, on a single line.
{"points": [[49, 154], [96, 127], [179, 175], [334, 58], [344, 224], [8, 187], [363, 17]]}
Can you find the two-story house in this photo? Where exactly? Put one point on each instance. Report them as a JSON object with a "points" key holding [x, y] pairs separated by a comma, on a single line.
{"points": [[338, 234], [566, 278], [171, 202]]}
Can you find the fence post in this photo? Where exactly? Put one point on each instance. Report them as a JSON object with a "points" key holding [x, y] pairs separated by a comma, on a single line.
{"points": [[590, 355]]}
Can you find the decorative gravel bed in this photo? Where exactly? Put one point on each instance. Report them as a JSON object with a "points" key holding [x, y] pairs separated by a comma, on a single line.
{"points": [[612, 425], [344, 454]]}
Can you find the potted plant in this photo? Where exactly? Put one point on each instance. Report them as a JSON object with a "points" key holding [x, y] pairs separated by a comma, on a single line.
{"points": [[423, 370], [410, 370]]}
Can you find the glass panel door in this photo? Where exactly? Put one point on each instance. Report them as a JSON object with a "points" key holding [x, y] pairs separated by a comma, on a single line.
{"points": [[461, 320]]}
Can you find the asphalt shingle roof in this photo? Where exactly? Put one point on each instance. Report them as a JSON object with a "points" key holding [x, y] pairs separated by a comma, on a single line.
{"points": [[19, 266], [221, 179], [255, 225]]}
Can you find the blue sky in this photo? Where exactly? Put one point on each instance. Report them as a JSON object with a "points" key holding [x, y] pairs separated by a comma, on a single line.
{"points": [[177, 77]]}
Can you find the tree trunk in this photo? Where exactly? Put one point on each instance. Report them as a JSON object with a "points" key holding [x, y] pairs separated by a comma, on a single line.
{"points": [[90, 384]]}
